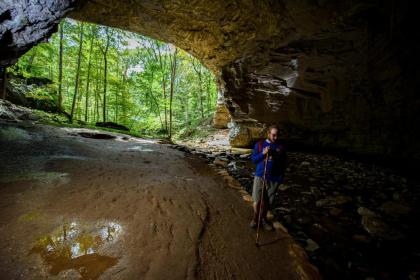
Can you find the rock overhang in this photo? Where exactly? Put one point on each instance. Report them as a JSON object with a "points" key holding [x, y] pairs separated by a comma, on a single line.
{"points": [[329, 73]]}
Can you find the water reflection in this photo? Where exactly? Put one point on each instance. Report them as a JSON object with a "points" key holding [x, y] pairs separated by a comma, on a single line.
{"points": [[73, 246], [140, 148]]}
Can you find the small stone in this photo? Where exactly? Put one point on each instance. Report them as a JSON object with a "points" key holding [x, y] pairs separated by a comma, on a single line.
{"points": [[334, 211], [378, 228], [223, 172], [245, 156], [361, 238], [315, 191], [396, 196], [277, 225], [220, 162], [240, 151], [283, 187], [311, 245], [247, 198], [394, 209], [414, 275], [232, 165], [333, 201], [282, 209], [363, 211]]}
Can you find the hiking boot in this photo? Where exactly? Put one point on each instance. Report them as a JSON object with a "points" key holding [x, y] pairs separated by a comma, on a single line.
{"points": [[267, 225], [253, 224]]}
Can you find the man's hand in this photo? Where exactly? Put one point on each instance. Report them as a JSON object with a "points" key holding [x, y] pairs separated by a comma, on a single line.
{"points": [[266, 150]]}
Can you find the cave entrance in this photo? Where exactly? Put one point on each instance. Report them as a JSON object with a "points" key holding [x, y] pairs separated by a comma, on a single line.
{"points": [[101, 75]]}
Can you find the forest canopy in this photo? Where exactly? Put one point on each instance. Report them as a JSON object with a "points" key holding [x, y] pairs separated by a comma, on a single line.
{"points": [[100, 73]]}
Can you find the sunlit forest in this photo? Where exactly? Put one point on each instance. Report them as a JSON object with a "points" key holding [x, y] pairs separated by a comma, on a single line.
{"points": [[103, 74]]}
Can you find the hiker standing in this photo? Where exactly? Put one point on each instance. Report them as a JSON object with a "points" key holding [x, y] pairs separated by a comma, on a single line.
{"points": [[267, 151]]}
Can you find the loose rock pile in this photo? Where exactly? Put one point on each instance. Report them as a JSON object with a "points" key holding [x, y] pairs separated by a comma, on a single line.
{"points": [[355, 220]]}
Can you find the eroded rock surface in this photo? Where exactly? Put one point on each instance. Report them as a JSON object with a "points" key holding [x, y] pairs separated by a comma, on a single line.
{"points": [[77, 207], [24, 23], [333, 74]]}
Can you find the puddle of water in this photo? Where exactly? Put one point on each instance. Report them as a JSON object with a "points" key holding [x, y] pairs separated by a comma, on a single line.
{"points": [[73, 246], [69, 157], [140, 148], [144, 141], [13, 134]]}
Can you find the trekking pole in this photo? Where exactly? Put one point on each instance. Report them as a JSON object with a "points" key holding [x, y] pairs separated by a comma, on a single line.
{"points": [[261, 201]]}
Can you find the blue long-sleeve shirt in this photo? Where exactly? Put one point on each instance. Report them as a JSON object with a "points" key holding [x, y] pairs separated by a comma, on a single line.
{"points": [[276, 163]]}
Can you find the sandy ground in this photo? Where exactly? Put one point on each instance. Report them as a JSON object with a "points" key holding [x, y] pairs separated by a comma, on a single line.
{"points": [[80, 208]]}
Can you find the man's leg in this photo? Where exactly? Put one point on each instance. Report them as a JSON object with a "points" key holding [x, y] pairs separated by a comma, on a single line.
{"points": [[256, 195], [271, 191]]}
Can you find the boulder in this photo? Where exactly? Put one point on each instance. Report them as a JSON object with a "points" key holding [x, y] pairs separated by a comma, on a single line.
{"points": [[221, 116], [220, 162], [244, 135], [333, 201], [239, 136], [395, 209], [311, 245], [376, 227]]}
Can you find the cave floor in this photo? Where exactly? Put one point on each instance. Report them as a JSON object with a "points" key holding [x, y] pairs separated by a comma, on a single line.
{"points": [[76, 207]]}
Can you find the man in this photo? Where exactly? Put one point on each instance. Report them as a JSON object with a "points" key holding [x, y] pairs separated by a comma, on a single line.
{"points": [[276, 165]]}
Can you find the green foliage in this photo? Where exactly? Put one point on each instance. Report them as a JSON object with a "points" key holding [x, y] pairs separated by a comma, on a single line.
{"points": [[137, 83]]}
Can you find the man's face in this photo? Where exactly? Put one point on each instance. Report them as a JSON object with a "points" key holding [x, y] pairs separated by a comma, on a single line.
{"points": [[273, 134]]}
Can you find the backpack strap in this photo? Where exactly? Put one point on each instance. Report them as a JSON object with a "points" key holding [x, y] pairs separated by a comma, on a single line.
{"points": [[260, 144]]}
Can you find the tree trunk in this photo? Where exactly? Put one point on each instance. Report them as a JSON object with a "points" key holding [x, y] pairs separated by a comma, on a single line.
{"points": [[78, 109], [60, 71], [79, 58], [162, 68], [117, 89], [105, 83], [98, 74], [208, 93], [201, 94], [164, 103], [197, 69], [124, 93], [187, 121], [105, 52], [88, 81], [116, 106], [173, 73]]}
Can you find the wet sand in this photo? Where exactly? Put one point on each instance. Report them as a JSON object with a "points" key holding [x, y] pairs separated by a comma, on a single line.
{"points": [[126, 208]]}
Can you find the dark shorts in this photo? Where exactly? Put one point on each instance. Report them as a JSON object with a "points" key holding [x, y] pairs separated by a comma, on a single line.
{"points": [[270, 188]]}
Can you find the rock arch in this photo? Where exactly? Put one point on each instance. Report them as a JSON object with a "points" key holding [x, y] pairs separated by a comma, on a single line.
{"points": [[336, 74]]}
